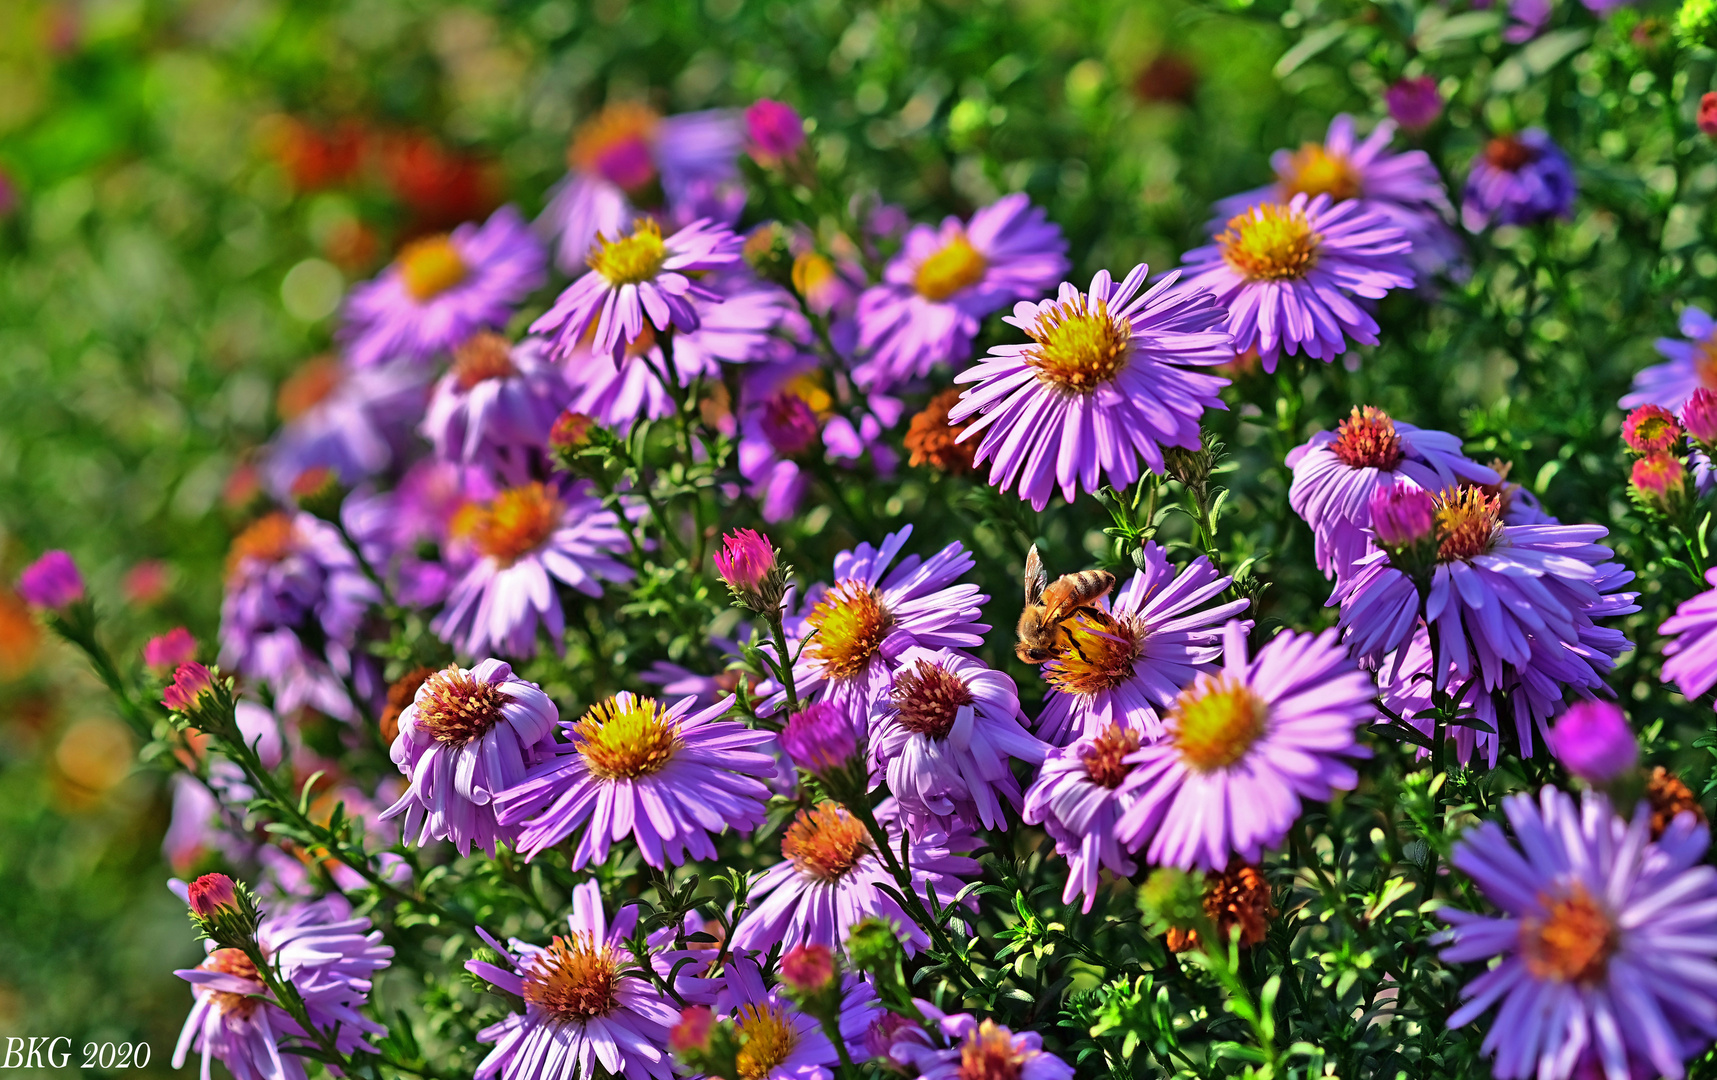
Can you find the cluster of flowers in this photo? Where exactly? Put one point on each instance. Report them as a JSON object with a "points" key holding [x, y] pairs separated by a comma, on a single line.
{"points": [[1165, 737]]}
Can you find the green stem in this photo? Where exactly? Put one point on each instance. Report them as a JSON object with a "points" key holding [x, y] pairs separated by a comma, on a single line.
{"points": [[783, 660], [916, 906]]}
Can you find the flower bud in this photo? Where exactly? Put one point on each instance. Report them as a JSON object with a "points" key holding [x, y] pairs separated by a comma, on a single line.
{"points": [[1651, 429], [318, 491], [190, 682], [1708, 113], [1699, 417], [1403, 516], [52, 582], [223, 910], [768, 251], [212, 894], [821, 739], [1414, 103], [1659, 482], [1593, 741], [571, 432], [1172, 899], [752, 569], [692, 1032], [775, 132], [167, 651], [808, 969], [873, 946]]}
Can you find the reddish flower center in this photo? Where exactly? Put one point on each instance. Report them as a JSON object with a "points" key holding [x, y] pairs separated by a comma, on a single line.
{"points": [[267, 539], [1367, 439], [1508, 153], [1270, 242], [430, 266], [630, 260], [455, 708], [485, 355], [988, 1053], [573, 979], [627, 737], [1216, 720], [1097, 652], [954, 266], [792, 419], [615, 145], [825, 842], [1105, 760], [516, 523], [850, 623], [1572, 942], [307, 387], [234, 962], [766, 1038], [1467, 523], [1314, 171], [929, 698], [1079, 347], [1705, 362], [930, 439]]}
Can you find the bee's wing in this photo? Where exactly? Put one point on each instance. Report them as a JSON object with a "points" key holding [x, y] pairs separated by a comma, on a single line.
{"points": [[1036, 577]]}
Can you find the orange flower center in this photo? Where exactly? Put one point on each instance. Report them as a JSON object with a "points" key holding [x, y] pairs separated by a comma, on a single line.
{"points": [[1216, 720], [307, 387], [1705, 362], [850, 623], [267, 539], [1079, 347], [1105, 761], [1314, 171], [516, 523], [930, 439], [1097, 652], [766, 1039], [615, 144], [485, 355], [930, 698], [825, 842], [1467, 523], [627, 737], [1270, 242], [630, 260], [431, 266], [233, 962], [1508, 153], [955, 266], [1367, 439], [1572, 942], [989, 1054], [455, 708], [573, 979]]}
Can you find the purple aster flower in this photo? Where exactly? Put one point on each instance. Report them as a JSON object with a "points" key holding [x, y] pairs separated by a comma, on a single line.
{"points": [[628, 161], [634, 767], [1122, 664], [1593, 741], [52, 581], [781, 1041], [588, 1011], [1243, 747], [496, 404], [1414, 102], [774, 130], [442, 289], [1691, 659], [355, 421], [1288, 273], [945, 280], [1109, 376], [524, 540], [1604, 937], [870, 616], [1518, 180], [1404, 188], [295, 603], [416, 534], [325, 953], [467, 736], [1077, 799], [1690, 365], [943, 735], [1527, 20], [983, 1050], [830, 876], [1336, 473], [635, 277], [822, 738]]}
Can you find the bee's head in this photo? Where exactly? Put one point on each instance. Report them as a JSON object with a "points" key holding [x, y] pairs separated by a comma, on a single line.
{"points": [[1032, 654]]}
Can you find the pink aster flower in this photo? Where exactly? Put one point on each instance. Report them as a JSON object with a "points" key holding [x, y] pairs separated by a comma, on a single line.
{"points": [[442, 289], [1593, 741], [1124, 660], [821, 738], [943, 735], [782, 1041], [1691, 659], [945, 280], [1077, 799], [1288, 274], [635, 768], [325, 953], [467, 736], [588, 1011], [169, 650], [496, 404], [524, 540], [1109, 377], [774, 131], [635, 277], [51, 582], [1603, 941], [1242, 748], [982, 1050], [745, 561], [1690, 364], [1414, 102]]}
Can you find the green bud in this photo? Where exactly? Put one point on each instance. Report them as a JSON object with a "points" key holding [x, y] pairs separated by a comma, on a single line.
{"points": [[873, 946], [1173, 899]]}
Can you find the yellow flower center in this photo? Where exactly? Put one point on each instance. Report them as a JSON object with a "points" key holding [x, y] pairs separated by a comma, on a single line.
{"points": [[988, 1053], [1314, 171], [233, 962], [267, 539], [629, 260], [627, 737], [955, 266], [825, 842], [1270, 242], [1467, 523], [1216, 720], [850, 623], [1078, 347], [430, 266], [766, 1039], [485, 355], [573, 979], [1096, 652], [812, 271], [516, 523], [1572, 942], [1106, 760], [455, 708]]}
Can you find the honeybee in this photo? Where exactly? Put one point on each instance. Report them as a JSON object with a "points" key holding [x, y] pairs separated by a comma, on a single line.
{"points": [[1048, 606]]}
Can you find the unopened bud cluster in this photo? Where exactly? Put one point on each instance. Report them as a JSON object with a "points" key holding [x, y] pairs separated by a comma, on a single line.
{"points": [[753, 571], [224, 911], [1404, 524], [1658, 479]]}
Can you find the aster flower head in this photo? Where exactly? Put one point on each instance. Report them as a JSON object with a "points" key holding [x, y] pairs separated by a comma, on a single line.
{"points": [[982, 1050], [822, 738], [1236, 903], [496, 404], [1699, 417], [1518, 179], [780, 1041], [1690, 364], [831, 878], [588, 1013], [1593, 741], [635, 277], [1604, 938], [522, 538], [325, 953], [934, 440], [468, 735], [1651, 429], [1122, 663], [1243, 747], [661, 775], [1691, 659], [191, 681], [1110, 376], [774, 131], [1659, 481], [354, 422], [51, 582], [1337, 473], [1414, 102], [943, 735], [945, 280], [441, 289], [165, 652], [1288, 273], [1076, 798]]}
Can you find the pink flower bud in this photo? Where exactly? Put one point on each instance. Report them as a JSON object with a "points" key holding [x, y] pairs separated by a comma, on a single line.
{"points": [[1414, 103], [775, 131], [1660, 479], [746, 560], [1699, 416], [52, 581], [1593, 741], [1708, 113], [1402, 515], [1651, 429], [146, 583], [820, 738], [171, 649], [190, 682], [808, 968], [571, 431], [692, 1032], [212, 894]]}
